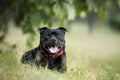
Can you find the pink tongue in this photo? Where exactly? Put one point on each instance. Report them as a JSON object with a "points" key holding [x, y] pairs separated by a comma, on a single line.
{"points": [[53, 49]]}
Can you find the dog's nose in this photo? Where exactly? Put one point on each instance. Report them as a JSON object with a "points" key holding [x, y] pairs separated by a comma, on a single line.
{"points": [[53, 40]]}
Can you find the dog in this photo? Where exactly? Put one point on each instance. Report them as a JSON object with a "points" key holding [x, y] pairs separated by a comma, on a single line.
{"points": [[50, 51]]}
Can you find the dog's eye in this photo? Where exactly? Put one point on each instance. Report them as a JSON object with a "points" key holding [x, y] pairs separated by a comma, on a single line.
{"points": [[46, 35], [58, 35]]}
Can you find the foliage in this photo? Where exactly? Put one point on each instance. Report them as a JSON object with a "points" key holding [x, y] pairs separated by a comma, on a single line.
{"points": [[31, 14], [115, 22]]}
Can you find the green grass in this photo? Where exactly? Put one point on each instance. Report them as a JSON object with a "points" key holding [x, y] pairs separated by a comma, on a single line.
{"points": [[89, 56]]}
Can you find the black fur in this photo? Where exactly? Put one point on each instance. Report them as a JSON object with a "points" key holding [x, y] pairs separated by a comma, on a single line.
{"points": [[48, 38]]}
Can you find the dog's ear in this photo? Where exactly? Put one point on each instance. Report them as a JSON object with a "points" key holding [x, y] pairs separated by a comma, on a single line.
{"points": [[42, 29], [63, 29]]}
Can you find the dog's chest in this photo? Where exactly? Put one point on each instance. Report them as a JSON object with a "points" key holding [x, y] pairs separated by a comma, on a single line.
{"points": [[47, 61]]}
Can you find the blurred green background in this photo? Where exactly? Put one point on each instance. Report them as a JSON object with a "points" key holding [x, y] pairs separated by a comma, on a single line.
{"points": [[92, 40]]}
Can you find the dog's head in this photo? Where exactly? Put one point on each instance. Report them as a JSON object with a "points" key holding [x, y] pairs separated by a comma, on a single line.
{"points": [[53, 40]]}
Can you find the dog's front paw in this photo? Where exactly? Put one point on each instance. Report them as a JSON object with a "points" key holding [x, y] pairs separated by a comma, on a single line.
{"points": [[27, 57], [62, 69]]}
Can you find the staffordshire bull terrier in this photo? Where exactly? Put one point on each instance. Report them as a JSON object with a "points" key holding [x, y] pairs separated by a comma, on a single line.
{"points": [[50, 51]]}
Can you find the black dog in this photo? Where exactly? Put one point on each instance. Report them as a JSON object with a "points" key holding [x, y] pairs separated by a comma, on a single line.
{"points": [[51, 50]]}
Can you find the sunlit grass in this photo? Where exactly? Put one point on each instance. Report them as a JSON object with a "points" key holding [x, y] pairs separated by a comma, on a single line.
{"points": [[89, 56]]}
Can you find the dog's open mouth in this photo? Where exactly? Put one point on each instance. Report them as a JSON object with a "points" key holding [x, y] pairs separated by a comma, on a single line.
{"points": [[54, 49]]}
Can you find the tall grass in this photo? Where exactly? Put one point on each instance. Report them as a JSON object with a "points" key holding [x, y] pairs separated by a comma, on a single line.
{"points": [[89, 57]]}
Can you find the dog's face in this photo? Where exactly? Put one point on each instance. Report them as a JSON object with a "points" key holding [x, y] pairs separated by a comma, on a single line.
{"points": [[53, 40]]}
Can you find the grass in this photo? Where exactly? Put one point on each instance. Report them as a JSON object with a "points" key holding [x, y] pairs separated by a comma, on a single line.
{"points": [[89, 56]]}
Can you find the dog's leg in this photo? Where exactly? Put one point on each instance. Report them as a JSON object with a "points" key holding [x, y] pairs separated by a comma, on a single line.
{"points": [[62, 68], [29, 56], [62, 64]]}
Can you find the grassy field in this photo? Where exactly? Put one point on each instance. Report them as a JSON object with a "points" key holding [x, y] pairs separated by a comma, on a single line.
{"points": [[89, 56]]}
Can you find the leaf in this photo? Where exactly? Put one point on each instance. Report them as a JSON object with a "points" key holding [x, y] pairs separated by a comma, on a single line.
{"points": [[35, 18], [101, 14], [70, 11], [56, 9]]}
